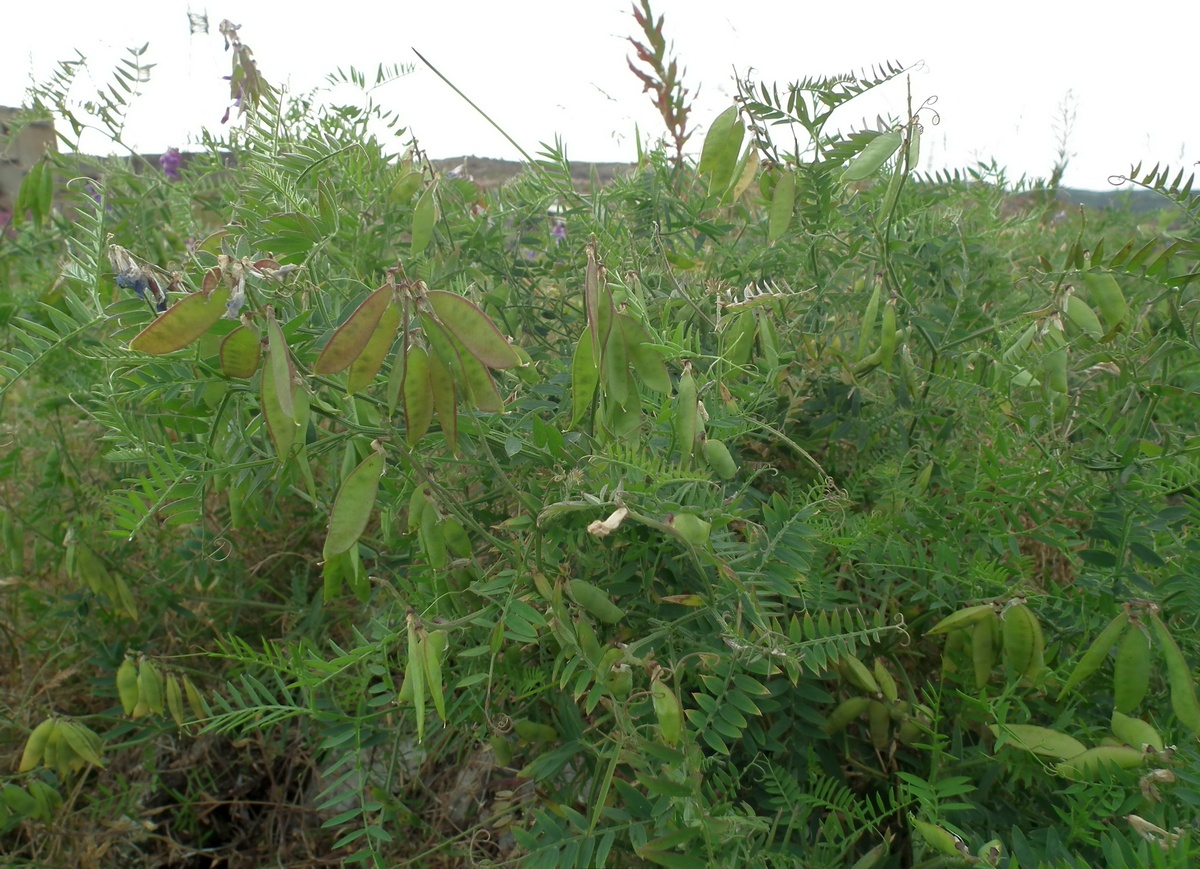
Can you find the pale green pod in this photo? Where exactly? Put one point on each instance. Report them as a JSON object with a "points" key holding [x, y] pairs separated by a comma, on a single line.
{"points": [[877, 152], [1039, 740], [1097, 652], [351, 338], [467, 322], [1135, 732], [1131, 671], [354, 504]]}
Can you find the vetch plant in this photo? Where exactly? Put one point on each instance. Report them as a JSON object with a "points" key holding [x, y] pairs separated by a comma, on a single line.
{"points": [[780, 518]]}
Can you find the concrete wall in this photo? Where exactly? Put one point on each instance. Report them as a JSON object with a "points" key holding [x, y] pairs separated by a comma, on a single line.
{"points": [[20, 151]]}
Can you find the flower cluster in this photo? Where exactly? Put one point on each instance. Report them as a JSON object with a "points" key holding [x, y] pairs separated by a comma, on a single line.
{"points": [[170, 162]]}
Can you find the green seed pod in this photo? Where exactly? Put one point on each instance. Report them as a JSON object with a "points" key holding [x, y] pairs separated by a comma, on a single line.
{"points": [[962, 618], [501, 749], [588, 641], [1039, 740], [870, 316], [1106, 295], [873, 156], [183, 322], [445, 400], [857, 674], [691, 528], [150, 690], [940, 839], [431, 655], [432, 538], [923, 478], [985, 648], [354, 504], [844, 713], [899, 710], [1131, 671], [279, 368], [1135, 732], [127, 685], [687, 415], [1089, 765], [1097, 652], [1055, 370], [783, 201], [1079, 313], [719, 458], [48, 799], [887, 336], [914, 145], [1179, 676], [744, 175], [595, 601], [367, 364], [240, 353], [50, 754], [418, 503], [175, 700], [35, 745], [425, 217], [880, 723], [417, 392], [457, 540], [887, 684], [667, 710], [467, 322], [414, 673], [646, 360], [1023, 642], [195, 701], [722, 145], [532, 732], [616, 373], [585, 377], [741, 341], [909, 731]]}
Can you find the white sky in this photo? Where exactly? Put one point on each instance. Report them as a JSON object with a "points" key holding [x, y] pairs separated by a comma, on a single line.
{"points": [[1001, 72]]}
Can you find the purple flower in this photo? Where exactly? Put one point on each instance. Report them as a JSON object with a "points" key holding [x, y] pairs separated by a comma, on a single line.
{"points": [[170, 162], [558, 232]]}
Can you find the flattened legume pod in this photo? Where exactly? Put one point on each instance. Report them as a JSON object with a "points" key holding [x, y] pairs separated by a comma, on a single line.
{"points": [[182, 323], [354, 504]]}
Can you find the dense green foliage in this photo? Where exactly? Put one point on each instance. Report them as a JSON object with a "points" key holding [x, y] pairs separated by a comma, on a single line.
{"points": [[575, 632]]}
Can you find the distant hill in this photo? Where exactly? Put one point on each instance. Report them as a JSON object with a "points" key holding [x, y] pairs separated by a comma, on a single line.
{"points": [[490, 173], [1133, 201]]}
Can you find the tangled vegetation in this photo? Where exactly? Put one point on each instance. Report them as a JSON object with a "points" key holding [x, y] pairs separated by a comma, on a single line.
{"points": [[781, 508]]}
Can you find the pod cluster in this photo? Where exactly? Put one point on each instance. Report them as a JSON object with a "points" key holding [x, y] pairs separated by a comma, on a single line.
{"points": [[888, 715], [423, 671], [145, 690]]}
